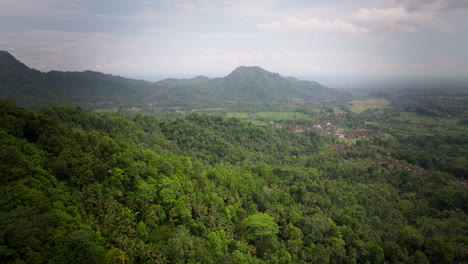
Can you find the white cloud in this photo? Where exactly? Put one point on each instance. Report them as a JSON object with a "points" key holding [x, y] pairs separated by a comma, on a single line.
{"points": [[395, 19], [293, 24]]}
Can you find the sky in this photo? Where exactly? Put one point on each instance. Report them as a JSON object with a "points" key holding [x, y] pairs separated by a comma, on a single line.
{"points": [[316, 38]]}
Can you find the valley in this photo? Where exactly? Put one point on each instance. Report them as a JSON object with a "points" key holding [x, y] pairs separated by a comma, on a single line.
{"points": [[249, 168]]}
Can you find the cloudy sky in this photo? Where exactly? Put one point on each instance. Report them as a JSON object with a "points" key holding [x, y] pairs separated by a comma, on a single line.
{"points": [[211, 37]]}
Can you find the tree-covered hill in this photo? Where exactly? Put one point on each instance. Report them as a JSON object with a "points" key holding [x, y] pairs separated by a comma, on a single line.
{"points": [[83, 187], [257, 84], [216, 138], [91, 90], [33, 89]]}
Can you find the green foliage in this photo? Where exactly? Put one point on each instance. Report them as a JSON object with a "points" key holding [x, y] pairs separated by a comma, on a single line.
{"points": [[219, 139], [260, 224], [84, 187], [217, 243]]}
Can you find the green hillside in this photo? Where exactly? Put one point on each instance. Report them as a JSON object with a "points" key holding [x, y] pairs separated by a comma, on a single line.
{"points": [[84, 187], [32, 88], [93, 90]]}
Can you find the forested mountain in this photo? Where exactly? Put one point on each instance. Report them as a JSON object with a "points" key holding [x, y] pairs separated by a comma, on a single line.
{"points": [[247, 84], [32, 88], [84, 187]]}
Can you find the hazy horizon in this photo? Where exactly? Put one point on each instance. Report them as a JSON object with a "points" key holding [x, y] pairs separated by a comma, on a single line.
{"points": [[320, 40], [323, 79]]}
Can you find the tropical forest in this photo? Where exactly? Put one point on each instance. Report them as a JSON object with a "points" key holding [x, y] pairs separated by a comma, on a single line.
{"points": [[253, 167]]}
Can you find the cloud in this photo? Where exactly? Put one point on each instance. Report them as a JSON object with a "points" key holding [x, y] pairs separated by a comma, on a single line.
{"points": [[293, 24], [395, 19], [433, 5]]}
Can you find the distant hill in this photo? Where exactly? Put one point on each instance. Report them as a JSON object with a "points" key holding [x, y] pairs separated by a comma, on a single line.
{"points": [[243, 85], [32, 88]]}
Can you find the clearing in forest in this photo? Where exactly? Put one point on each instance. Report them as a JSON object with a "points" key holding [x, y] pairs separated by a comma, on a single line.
{"points": [[361, 106]]}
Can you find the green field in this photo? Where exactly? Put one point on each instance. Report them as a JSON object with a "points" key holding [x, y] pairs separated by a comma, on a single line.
{"points": [[270, 116], [410, 122], [361, 106]]}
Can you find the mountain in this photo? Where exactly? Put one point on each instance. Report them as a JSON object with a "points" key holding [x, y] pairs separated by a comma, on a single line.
{"points": [[245, 85], [255, 83], [32, 88], [9, 65]]}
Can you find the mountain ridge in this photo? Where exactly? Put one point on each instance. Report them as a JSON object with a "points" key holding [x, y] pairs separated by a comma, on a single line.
{"points": [[245, 84]]}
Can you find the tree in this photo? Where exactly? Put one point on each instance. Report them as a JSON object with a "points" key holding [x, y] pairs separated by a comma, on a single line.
{"points": [[260, 224], [376, 254], [216, 242], [115, 256], [419, 258]]}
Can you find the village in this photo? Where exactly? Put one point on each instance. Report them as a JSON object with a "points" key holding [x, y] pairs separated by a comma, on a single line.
{"points": [[326, 128]]}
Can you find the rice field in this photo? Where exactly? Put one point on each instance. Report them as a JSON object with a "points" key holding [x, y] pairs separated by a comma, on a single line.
{"points": [[361, 106]]}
